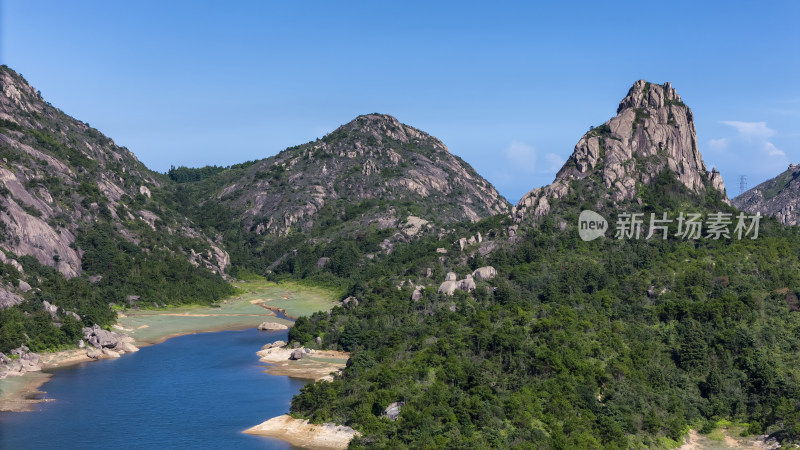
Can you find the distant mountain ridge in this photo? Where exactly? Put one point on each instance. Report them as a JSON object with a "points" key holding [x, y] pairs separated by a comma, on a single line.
{"points": [[778, 197], [388, 169], [653, 131]]}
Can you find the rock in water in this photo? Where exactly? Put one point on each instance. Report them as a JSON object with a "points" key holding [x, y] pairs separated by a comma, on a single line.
{"points": [[276, 344], [271, 326]]}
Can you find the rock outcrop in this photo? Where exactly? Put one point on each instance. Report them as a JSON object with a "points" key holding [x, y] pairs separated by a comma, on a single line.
{"points": [[23, 361], [778, 197], [653, 131], [108, 343]]}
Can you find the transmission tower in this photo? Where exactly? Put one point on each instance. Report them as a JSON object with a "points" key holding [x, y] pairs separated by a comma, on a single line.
{"points": [[742, 183]]}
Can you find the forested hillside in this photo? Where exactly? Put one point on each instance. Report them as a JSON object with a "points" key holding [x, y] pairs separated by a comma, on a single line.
{"points": [[609, 343], [83, 226]]}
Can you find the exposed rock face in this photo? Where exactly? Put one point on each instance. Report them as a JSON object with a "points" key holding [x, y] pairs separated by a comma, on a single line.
{"points": [[653, 131], [59, 176], [778, 197], [392, 412], [8, 298], [372, 159]]}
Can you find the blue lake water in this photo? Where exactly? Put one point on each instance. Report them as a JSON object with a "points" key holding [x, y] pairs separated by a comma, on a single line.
{"points": [[197, 391]]}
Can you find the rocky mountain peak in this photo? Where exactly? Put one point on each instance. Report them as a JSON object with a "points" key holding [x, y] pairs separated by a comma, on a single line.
{"points": [[383, 126], [653, 131], [647, 95], [373, 160]]}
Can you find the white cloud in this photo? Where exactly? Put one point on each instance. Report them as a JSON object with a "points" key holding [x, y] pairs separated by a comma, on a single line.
{"points": [[749, 149], [521, 156], [771, 150], [718, 144], [752, 135], [751, 130], [554, 162]]}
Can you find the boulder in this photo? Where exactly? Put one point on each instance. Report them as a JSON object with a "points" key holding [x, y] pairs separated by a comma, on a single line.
{"points": [[441, 250], [271, 326], [3, 358], [451, 276], [417, 294], [81, 344], [93, 353], [322, 262], [428, 272], [350, 302], [484, 273], [467, 284], [100, 338], [392, 412], [297, 354], [512, 230], [318, 340], [448, 287], [51, 309], [110, 353], [23, 286], [276, 344], [95, 278]]}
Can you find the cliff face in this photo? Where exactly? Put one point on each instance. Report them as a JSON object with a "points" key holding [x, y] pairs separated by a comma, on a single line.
{"points": [[778, 197], [652, 131], [386, 169], [59, 177]]}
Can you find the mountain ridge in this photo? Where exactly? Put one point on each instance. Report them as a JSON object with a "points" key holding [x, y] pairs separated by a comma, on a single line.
{"points": [[778, 197]]}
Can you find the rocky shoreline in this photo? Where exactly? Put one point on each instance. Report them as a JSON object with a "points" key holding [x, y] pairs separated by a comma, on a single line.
{"points": [[302, 362], [24, 363], [301, 433]]}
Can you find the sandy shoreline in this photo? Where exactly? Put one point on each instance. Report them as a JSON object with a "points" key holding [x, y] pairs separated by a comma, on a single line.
{"points": [[303, 434]]}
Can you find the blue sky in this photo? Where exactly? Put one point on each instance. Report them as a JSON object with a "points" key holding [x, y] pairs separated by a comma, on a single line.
{"points": [[509, 87]]}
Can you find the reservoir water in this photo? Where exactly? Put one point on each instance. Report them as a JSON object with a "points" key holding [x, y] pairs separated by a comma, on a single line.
{"points": [[196, 391]]}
